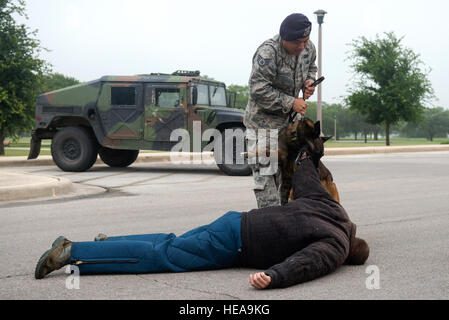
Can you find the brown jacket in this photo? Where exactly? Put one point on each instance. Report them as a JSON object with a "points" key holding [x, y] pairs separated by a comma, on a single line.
{"points": [[303, 240]]}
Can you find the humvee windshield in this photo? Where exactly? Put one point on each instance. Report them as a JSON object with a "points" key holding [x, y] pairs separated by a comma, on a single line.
{"points": [[215, 94]]}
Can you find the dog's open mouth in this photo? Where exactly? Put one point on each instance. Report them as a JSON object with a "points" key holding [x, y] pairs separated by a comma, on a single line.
{"points": [[303, 156]]}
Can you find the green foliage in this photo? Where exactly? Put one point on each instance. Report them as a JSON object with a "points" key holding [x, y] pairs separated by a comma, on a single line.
{"points": [[206, 77], [55, 81], [346, 121], [349, 122], [242, 95], [389, 83], [20, 71], [434, 123]]}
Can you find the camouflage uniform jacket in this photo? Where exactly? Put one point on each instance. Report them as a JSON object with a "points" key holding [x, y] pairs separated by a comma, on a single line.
{"points": [[276, 80]]}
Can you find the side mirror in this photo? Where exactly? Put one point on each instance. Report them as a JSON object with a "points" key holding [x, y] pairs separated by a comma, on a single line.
{"points": [[194, 95]]}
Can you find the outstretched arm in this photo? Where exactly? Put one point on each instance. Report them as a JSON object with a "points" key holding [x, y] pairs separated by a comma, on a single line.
{"points": [[316, 260], [260, 280]]}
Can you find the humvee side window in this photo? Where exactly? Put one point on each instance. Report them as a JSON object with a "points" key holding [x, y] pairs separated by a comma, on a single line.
{"points": [[166, 97], [217, 96], [123, 96], [203, 94]]}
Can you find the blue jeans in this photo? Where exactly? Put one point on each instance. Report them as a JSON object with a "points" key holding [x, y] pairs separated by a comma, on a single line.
{"points": [[213, 246]]}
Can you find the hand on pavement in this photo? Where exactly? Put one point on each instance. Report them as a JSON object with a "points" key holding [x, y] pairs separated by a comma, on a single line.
{"points": [[259, 280]]}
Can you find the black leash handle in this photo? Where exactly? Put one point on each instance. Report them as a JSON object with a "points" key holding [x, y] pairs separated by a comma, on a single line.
{"points": [[314, 84]]}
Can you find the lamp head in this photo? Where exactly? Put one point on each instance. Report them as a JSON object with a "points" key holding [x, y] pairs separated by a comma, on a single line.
{"points": [[320, 16]]}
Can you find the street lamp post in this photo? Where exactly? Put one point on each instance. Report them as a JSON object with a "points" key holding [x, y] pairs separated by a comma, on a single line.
{"points": [[320, 17]]}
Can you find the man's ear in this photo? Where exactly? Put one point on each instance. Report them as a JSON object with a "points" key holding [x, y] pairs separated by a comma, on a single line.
{"points": [[317, 128], [324, 139]]}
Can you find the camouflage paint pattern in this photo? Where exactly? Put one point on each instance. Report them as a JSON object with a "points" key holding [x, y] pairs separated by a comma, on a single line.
{"points": [[78, 95], [141, 126]]}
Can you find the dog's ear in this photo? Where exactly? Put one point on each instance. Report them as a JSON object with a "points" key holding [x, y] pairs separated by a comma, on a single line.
{"points": [[317, 129], [324, 139]]}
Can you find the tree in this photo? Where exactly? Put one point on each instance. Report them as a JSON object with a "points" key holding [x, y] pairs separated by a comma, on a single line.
{"points": [[206, 77], [55, 81], [242, 95], [20, 71], [389, 84], [332, 112], [435, 123]]}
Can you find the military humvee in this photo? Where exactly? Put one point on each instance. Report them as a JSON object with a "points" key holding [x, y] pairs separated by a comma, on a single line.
{"points": [[116, 116]]}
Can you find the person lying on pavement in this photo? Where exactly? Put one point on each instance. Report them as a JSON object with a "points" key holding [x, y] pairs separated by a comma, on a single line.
{"points": [[305, 239]]}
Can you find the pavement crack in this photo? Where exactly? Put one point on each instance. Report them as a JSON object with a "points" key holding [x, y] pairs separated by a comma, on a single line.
{"points": [[404, 220], [103, 177], [150, 179], [15, 276], [136, 183], [228, 296], [193, 181]]}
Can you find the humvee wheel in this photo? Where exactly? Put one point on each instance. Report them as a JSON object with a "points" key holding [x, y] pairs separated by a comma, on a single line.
{"points": [[74, 149], [232, 169], [118, 158]]}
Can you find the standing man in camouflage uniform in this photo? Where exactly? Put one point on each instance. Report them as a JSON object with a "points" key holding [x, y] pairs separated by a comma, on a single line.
{"points": [[282, 67]]}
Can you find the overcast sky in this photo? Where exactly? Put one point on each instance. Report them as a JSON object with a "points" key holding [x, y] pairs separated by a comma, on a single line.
{"points": [[91, 38]]}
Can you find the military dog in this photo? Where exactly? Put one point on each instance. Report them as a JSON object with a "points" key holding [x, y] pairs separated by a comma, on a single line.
{"points": [[291, 139]]}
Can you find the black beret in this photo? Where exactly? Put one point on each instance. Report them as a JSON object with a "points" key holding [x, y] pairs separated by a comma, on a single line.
{"points": [[295, 26]]}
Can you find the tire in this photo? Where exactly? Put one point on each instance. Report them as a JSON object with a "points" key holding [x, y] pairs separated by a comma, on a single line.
{"points": [[74, 149], [116, 158], [233, 169]]}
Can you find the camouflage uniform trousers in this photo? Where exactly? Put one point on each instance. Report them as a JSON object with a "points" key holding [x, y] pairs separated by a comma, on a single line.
{"points": [[277, 78], [266, 187], [266, 173]]}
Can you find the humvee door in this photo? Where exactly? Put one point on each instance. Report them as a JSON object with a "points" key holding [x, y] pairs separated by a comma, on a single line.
{"points": [[121, 110], [165, 111]]}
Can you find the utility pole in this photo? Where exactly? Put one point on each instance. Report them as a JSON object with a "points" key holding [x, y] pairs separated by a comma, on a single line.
{"points": [[320, 17]]}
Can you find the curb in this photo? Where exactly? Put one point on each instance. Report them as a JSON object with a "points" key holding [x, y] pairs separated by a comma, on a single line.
{"points": [[35, 187], [167, 156], [48, 160], [30, 186], [373, 150]]}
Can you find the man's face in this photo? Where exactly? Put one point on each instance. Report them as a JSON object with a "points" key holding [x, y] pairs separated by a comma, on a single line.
{"points": [[295, 47]]}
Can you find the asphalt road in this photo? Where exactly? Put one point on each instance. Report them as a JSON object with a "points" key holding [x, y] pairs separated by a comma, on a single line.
{"points": [[400, 203]]}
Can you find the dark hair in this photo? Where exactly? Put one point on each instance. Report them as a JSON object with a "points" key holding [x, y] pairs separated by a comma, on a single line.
{"points": [[358, 253]]}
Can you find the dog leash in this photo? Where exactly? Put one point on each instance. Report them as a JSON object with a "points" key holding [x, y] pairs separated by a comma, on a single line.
{"points": [[293, 114]]}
